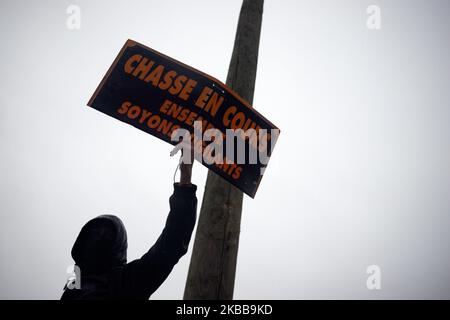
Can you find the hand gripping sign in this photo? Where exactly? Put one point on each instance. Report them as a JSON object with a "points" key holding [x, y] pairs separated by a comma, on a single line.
{"points": [[173, 101]]}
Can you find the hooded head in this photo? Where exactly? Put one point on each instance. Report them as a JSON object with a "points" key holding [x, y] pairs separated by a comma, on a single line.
{"points": [[101, 245]]}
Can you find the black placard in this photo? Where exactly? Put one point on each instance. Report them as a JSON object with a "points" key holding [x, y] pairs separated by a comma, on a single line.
{"points": [[158, 94]]}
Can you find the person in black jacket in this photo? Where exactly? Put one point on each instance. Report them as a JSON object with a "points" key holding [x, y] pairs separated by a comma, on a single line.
{"points": [[100, 251]]}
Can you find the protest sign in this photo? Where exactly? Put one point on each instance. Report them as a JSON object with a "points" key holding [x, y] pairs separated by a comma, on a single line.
{"points": [[159, 95]]}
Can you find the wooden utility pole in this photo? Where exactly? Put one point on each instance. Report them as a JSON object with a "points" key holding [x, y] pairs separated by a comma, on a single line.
{"points": [[213, 263]]}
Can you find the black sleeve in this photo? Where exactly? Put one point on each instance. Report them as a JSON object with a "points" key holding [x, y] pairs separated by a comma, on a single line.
{"points": [[141, 277]]}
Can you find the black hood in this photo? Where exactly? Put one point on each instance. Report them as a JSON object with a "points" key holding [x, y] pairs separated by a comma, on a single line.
{"points": [[101, 245]]}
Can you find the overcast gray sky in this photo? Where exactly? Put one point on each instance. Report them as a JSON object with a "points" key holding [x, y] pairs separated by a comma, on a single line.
{"points": [[360, 175]]}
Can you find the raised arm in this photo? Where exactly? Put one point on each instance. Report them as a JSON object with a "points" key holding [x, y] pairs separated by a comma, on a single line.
{"points": [[141, 277]]}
